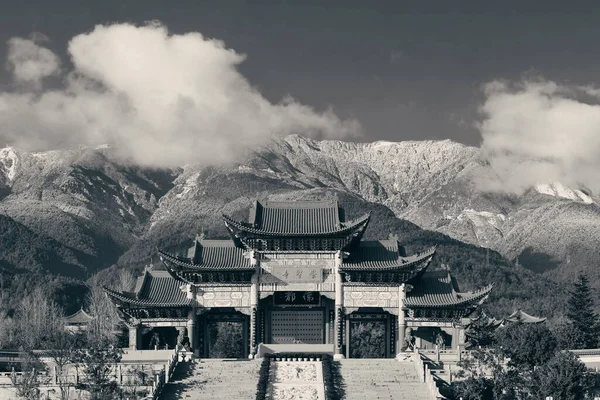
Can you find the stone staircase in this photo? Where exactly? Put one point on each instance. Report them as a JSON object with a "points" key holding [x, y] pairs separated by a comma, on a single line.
{"points": [[213, 379], [370, 379]]}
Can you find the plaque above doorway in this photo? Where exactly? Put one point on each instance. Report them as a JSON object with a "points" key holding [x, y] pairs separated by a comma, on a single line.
{"points": [[296, 299]]}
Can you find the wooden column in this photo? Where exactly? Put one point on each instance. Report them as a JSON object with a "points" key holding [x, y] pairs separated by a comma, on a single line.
{"points": [[401, 319], [253, 306], [339, 307]]}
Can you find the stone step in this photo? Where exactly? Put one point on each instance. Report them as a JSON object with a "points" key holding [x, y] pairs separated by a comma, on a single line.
{"points": [[215, 379], [382, 379]]}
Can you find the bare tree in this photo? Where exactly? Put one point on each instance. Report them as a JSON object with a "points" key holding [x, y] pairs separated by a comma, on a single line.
{"points": [[33, 375], [63, 352], [104, 312], [8, 331], [39, 318], [126, 280]]}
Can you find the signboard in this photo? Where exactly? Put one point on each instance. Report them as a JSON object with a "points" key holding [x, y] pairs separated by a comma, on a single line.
{"points": [[296, 299], [298, 274]]}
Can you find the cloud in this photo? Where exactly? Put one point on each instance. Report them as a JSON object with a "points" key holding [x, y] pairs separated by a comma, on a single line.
{"points": [[159, 99], [30, 63], [540, 132]]}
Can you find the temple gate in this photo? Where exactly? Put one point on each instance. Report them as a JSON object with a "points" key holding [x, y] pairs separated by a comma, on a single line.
{"points": [[297, 274]]}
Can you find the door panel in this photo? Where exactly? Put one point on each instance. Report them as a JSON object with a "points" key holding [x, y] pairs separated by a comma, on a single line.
{"points": [[297, 326]]}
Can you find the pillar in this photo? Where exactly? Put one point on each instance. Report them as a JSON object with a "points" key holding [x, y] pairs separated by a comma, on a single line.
{"points": [[191, 331], [253, 312], [339, 307], [134, 337], [401, 319]]}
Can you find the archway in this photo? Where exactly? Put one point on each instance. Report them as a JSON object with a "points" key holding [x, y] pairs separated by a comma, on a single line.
{"points": [[369, 334]]}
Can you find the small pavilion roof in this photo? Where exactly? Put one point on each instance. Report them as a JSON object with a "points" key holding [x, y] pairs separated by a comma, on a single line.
{"points": [[297, 219], [522, 316], [486, 321], [436, 289], [384, 255], [210, 255], [79, 317], [155, 288]]}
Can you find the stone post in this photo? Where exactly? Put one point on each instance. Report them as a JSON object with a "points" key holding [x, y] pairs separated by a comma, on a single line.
{"points": [[253, 305], [134, 337], [339, 307], [401, 318], [191, 331]]}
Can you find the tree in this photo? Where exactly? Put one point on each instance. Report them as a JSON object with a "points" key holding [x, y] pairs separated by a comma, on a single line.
{"points": [[563, 377], [38, 318], [583, 322], [33, 375], [104, 312], [226, 339], [98, 361], [474, 389], [63, 351], [526, 345], [480, 332]]}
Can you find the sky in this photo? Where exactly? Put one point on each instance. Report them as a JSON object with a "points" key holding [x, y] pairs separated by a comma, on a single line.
{"points": [[358, 70]]}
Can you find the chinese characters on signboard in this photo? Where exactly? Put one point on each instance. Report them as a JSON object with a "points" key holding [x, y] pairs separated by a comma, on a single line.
{"points": [[296, 298], [295, 274]]}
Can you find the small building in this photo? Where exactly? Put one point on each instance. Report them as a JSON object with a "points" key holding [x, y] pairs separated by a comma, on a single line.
{"points": [[521, 317], [78, 321], [296, 273]]}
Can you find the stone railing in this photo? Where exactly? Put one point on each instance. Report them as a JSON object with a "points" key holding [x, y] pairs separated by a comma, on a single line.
{"points": [[124, 377], [162, 378], [586, 352], [426, 376]]}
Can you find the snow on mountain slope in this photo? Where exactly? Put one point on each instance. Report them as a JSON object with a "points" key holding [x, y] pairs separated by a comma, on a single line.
{"points": [[558, 190], [81, 199], [88, 201], [8, 164]]}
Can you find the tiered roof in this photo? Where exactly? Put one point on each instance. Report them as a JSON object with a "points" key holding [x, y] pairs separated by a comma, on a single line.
{"points": [[154, 289], [296, 218], [278, 221], [316, 225], [437, 289], [209, 256], [384, 255]]}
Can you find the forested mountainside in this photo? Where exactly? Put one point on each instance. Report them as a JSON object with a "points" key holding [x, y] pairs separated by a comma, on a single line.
{"points": [[74, 213]]}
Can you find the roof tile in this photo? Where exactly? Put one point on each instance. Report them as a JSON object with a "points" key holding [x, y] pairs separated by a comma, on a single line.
{"points": [[436, 289]]}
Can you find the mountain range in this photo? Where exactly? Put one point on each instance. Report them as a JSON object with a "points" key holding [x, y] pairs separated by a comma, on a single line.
{"points": [[78, 212]]}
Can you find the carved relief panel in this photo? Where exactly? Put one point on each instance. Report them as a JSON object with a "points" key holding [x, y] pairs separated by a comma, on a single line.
{"points": [[369, 296], [223, 297]]}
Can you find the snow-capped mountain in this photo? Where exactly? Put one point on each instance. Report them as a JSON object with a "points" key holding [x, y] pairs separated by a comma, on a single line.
{"points": [[99, 209]]}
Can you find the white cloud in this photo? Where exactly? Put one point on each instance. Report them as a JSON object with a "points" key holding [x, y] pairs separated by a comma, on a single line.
{"points": [[30, 63], [540, 132], [160, 99]]}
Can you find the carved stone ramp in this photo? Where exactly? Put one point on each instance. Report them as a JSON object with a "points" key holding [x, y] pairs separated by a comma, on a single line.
{"points": [[370, 379], [296, 380], [214, 379]]}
